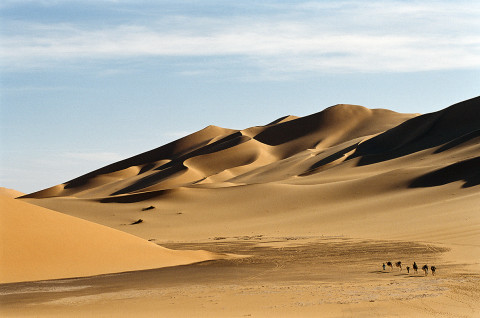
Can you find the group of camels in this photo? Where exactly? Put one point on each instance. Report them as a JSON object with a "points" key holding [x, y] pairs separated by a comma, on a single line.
{"points": [[415, 267]]}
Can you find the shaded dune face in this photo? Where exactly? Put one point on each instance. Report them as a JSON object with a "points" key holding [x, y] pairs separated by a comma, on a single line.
{"points": [[451, 127], [291, 148]]}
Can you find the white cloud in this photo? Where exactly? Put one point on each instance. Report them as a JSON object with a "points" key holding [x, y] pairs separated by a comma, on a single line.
{"points": [[343, 36]]}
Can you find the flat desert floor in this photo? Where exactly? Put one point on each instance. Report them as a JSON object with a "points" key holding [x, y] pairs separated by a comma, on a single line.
{"points": [[283, 276]]}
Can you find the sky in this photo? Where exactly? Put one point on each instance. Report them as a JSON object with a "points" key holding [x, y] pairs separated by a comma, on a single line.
{"points": [[87, 83]]}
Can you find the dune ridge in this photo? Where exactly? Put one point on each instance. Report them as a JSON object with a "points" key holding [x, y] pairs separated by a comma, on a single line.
{"points": [[296, 175], [11, 193], [218, 155]]}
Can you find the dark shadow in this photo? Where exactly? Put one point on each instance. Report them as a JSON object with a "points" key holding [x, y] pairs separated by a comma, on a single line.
{"points": [[284, 132], [327, 160], [147, 167], [467, 170], [152, 179], [460, 121], [409, 137], [229, 141], [137, 197], [459, 141]]}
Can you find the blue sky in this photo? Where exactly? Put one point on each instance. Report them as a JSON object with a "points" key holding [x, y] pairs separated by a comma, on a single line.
{"points": [[87, 83]]}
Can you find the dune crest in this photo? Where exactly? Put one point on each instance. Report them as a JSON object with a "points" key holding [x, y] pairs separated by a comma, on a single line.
{"points": [[221, 156], [11, 193], [347, 169]]}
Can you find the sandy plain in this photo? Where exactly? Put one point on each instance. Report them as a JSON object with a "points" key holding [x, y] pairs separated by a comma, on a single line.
{"points": [[284, 277]]}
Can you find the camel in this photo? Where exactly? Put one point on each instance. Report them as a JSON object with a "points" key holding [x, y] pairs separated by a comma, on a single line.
{"points": [[425, 269], [415, 267], [389, 264], [399, 265]]}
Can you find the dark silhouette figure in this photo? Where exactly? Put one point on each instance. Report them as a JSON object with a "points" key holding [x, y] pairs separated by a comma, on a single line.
{"points": [[408, 269], [383, 266], [433, 268], [415, 267], [399, 265], [389, 264], [425, 269]]}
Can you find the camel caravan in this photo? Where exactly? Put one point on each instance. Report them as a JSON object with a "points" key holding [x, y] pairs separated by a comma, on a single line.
{"points": [[414, 267]]}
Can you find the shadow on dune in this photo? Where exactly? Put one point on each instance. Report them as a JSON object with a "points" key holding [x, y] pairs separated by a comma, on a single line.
{"points": [[460, 141], [328, 160], [137, 197], [452, 126], [155, 178], [467, 170], [227, 142]]}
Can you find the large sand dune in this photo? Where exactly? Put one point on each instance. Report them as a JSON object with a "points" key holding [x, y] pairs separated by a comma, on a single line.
{"points": [[39, 244], [345, 170], [216, 155]]}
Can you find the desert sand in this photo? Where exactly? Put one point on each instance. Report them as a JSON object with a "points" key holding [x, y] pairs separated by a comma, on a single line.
{"points": [[318, 202], [11, 193], [40, 244]]}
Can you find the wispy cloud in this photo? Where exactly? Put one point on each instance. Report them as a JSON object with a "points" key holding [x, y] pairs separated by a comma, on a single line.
{"points": [[340, 36]]}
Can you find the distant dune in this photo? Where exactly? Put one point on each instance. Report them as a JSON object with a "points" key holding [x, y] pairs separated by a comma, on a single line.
{"points": [[216, 155], [40, 244], [347, 170]]}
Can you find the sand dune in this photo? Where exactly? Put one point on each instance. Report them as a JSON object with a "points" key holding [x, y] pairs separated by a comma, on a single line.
{"points": [[314, 171], [296, 191], [323, 173], [10, 193], [223, 155], [40, 244]]}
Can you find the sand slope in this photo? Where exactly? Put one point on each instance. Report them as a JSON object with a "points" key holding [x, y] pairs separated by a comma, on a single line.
{"points": [[347, 170], [216, 155], [39, 244], [11, 193]]}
